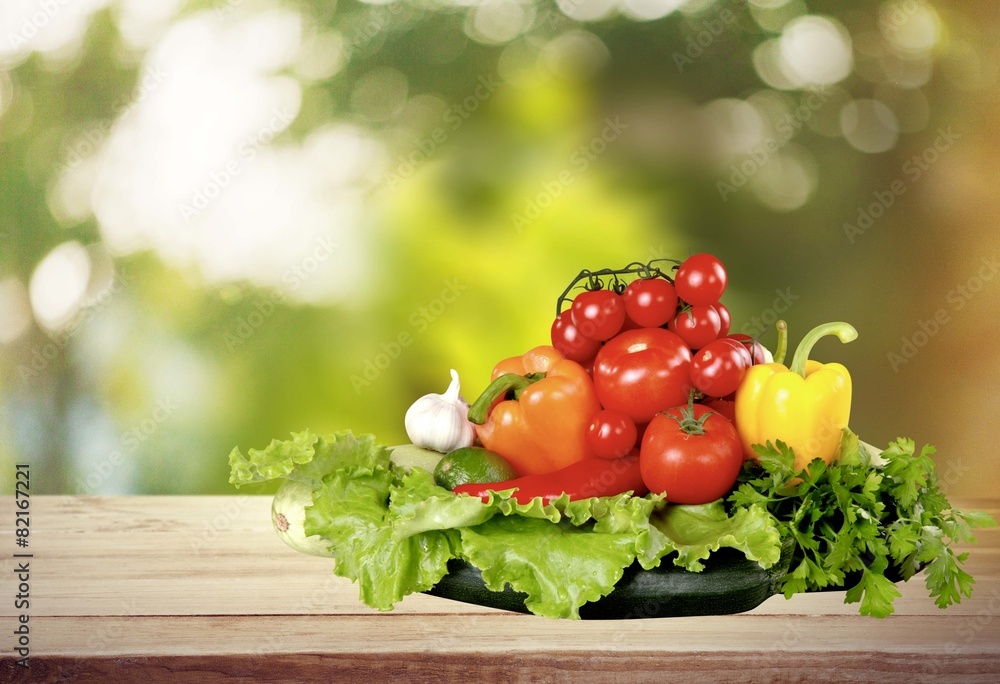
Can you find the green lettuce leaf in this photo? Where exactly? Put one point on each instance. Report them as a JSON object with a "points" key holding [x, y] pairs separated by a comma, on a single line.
{"points": [[419, 505], [558, 565], [351, 509], [306, 457], [694, 532]]}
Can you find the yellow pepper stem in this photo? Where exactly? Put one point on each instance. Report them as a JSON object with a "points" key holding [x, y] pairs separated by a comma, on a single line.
{"points": [[782, 349], [844, 331]]}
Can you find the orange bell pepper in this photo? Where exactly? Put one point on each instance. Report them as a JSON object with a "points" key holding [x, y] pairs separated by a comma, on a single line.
{"points": [[536, 411]]}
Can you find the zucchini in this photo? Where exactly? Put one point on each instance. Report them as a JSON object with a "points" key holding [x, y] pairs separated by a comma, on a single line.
{"points": [[730, 583]]}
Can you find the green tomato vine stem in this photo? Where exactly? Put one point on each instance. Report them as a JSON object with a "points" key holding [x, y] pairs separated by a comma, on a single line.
{"points": [[595, 282]]}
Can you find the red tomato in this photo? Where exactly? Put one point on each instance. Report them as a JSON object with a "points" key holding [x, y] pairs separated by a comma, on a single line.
{"points": [[569, 342], [701, 279], [642, 372], [598, 314], [690, 468], [751, 345], [739, 347], [697, 326], [650, 302], [726, 407], [611, 434], [727, 320], [718, 368]]}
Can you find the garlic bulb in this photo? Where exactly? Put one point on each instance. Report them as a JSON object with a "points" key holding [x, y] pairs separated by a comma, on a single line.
{"points": [[768, 356], [441, 421]]}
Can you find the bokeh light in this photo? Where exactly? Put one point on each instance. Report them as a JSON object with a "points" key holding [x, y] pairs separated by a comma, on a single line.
{"points": [[59, 285]]}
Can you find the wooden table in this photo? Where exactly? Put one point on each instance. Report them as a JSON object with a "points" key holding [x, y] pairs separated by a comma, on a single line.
{"points": [[199, 589]]}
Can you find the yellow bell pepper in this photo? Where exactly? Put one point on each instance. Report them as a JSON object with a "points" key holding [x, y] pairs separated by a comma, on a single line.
{"points": [[806, 405]]}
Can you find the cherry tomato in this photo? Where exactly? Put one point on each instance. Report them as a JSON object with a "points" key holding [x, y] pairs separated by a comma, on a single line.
{"points": [[697, 326], [738, 346], [598, 314], [650, 302], [642, 372], [725, 406], [718, 368], [727, 320], [701, 279], [751, 345], [611, 434], [690, 468], [569, 342]]}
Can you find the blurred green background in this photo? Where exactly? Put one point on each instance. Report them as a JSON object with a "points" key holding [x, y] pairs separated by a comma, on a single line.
{"points": [[224, 221]]}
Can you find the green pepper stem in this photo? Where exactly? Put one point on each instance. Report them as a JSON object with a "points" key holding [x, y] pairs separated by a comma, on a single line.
{"points": [[844, 331], [779, 353], [508, 382]]}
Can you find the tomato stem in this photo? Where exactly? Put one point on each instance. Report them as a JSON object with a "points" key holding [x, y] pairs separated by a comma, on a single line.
{"points": [[687, 423], [594, 282]]}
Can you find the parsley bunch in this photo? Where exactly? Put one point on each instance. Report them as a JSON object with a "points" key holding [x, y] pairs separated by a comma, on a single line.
{"points": [[867, 519]]}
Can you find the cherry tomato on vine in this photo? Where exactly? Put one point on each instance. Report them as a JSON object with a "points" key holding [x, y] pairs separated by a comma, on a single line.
{"points": [[739, 347], [641, 372], [701, 279], [611, 434], [754, 347], [724, 317], [569, 342], [697, 326], [718, 368], [690, 453], [650, 302], [598, 314]]}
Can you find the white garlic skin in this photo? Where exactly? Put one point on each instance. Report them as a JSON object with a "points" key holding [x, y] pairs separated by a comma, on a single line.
{"points": [[441, 421]]}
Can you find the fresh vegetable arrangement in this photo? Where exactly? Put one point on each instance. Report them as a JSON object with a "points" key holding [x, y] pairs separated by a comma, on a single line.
{"points": [[645, 436]]}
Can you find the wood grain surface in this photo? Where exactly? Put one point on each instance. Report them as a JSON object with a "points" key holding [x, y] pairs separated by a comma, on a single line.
{"points": [[200, 589]]}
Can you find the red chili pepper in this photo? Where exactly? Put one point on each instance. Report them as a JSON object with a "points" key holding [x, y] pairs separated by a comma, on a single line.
{"points": [[580, 480]]}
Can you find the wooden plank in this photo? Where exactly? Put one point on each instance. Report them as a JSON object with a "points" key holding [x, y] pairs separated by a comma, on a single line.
{"points": [[449, 635], [541, 666]]}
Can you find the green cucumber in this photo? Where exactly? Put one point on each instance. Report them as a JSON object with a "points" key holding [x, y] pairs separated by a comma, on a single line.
{"points": [[730, 583]]}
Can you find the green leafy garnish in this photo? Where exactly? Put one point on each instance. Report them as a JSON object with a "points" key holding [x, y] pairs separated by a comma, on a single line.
{"points": [[864, 521]]}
